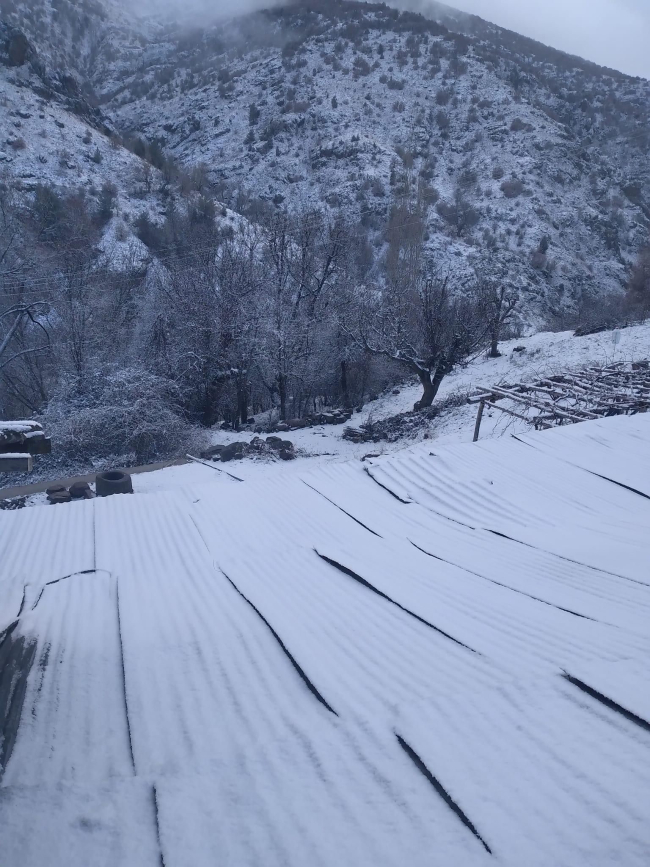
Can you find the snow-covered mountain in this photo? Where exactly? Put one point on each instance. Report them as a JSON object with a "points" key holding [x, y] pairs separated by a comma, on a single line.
{"points": [[490, 141]]}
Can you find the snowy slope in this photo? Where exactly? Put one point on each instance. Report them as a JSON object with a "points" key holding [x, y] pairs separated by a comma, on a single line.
{"points": [[426, 658], [354, 108], [544, 354], [45, 144]]}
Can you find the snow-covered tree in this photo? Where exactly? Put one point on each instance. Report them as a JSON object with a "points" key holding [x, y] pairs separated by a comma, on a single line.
{"points": [[428, 327]]}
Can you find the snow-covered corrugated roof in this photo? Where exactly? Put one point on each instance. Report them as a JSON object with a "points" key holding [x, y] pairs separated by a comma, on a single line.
{"points": [[427, 658]]}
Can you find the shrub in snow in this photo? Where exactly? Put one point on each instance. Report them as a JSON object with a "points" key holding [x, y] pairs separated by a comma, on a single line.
{"points": [[121, 232], [538, 260], [460, 213], [106, 204], [129, 413], [149, 232], [512, 189]]}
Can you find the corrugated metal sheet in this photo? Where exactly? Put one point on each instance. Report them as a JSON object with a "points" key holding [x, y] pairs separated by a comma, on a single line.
{"points": [[437, 660]]}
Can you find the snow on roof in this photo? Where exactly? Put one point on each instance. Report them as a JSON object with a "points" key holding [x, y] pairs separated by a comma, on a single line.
{"points": [[426, 658], [23, 427]]}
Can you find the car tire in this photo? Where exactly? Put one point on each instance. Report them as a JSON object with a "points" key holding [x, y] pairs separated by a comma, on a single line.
{"points": [[113, 482]]}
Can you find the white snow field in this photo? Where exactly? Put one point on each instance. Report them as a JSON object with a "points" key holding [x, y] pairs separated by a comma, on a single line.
{"points": [[437, 657]]}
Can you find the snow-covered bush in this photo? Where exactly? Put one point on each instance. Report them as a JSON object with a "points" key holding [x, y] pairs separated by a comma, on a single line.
{"points": [[512, 189], [129, 413]]}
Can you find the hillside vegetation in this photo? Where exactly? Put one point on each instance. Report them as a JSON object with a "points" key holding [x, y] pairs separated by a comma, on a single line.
{"points": [[294, 208]]}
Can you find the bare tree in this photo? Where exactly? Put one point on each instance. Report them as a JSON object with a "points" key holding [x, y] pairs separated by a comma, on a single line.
{"points": [[240, 310], [24, 340], [189, 336], [300, 261], [287, 332], [429, 329], [460, 213], [499, 300], [17, 317]]}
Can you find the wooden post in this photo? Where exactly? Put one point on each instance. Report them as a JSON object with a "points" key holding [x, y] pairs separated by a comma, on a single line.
{"points": [[479, 418]]}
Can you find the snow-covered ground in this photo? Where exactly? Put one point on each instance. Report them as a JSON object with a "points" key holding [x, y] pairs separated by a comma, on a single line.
{"points": [[545, 353], [435, 656]]}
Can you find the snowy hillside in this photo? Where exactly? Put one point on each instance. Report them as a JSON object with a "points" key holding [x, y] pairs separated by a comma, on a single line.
{"points": [[522, 359], [373, 109], [427, 657], [79, 38], [293, 209], [488, 141], [47, 145]]}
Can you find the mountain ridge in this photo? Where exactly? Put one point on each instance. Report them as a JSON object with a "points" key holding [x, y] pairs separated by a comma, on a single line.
{"points": [[496, 144]]}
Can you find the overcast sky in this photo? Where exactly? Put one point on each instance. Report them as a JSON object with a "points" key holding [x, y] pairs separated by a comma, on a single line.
{"points": [[614, 33]]}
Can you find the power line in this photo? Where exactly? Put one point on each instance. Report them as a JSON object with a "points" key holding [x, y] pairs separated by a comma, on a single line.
{"points": [[117, 277], [159, 254]]}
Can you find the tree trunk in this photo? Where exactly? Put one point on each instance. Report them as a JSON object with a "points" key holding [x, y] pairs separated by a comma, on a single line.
{"points": [[242, 402], [209, 404], [494, 345], [437, 380], [430, 386], [428, 389], [209, 414], [344, 384], [282, 391]]}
